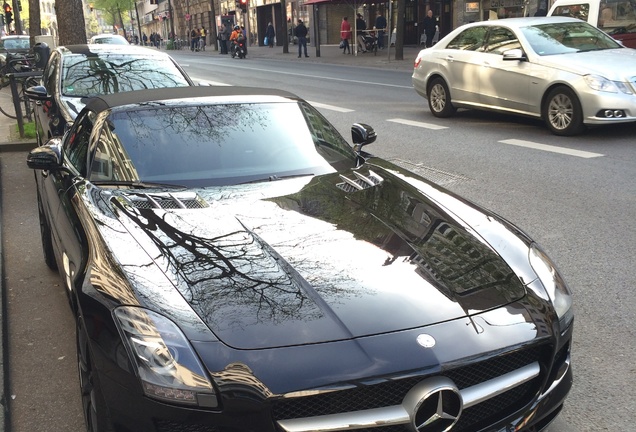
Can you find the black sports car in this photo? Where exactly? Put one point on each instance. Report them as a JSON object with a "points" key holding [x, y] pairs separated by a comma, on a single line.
{"points": [[235, 265]]}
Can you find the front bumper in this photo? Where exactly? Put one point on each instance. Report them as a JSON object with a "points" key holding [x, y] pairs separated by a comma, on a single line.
{"points": [[526, 393]]}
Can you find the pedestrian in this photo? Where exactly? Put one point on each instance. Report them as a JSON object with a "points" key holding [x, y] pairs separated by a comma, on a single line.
{"points": [[203, 35], [345, 35], [270, 34], [430, 26], [380, 26], [194, 40], [145, 39], [361, 27], [301, 33], [224, 34]]}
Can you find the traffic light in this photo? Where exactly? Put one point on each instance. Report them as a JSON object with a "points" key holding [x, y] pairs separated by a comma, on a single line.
{"points": [[8, 14], [243, 5]]}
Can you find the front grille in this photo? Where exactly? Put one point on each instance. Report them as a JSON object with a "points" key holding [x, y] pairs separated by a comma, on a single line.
{"points": [[391, 393], [490, 411]]}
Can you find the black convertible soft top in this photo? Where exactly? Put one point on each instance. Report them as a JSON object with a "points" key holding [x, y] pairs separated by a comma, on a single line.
{"points": [[101, 103]]}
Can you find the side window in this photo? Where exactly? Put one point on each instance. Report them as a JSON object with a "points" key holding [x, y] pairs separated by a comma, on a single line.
{"points": [[76, 145], [110, 160], [471, 39], [580, 11], [501, 39], [48, 76]]}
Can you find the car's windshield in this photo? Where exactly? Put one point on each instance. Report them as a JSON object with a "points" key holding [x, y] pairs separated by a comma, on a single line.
{"points": [[110, 40], [220, 144], [85, 76], [563, 38], [10, 44]]}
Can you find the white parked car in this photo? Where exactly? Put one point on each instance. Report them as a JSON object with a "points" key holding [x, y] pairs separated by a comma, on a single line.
{"points": [[563, 70], [109, 39]]}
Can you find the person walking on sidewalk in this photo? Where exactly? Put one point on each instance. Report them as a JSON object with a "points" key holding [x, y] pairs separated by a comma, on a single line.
{"points": [[380, 26], [301, 33], [270, 34], [202, 40], [361, 27], [430, 26], [345, 35]]}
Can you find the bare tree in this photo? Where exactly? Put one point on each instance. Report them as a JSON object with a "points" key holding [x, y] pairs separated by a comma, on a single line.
{"points": [[35, 27], [70, 21]]}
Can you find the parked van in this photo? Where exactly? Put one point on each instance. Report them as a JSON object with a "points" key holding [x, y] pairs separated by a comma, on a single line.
{"points": [[615, 17]]}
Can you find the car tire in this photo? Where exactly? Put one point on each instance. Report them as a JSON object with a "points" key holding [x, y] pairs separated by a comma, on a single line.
{"points": [[439, 100], [93, 404], [47, 240], [562, 112]]}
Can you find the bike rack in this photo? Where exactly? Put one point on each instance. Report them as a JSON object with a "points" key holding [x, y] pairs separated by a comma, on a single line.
{"points": [[17, 103]]}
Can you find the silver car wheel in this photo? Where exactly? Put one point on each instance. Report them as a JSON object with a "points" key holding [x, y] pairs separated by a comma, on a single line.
{"points": [[560, 111], [438, 97]]}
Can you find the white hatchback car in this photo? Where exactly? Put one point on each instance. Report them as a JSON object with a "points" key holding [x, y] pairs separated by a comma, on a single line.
{"points": [[109, 39], [563, 70]]}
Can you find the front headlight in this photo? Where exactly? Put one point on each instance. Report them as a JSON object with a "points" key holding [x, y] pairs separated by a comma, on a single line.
{"points": [[164, 360], [554, 284], [599, 83]]}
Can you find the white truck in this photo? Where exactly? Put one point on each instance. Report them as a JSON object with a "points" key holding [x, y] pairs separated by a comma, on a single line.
{"points": [[615, 17]]}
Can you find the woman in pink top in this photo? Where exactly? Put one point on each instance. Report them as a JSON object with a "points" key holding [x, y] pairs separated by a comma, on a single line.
{"points": [[345, 34]]}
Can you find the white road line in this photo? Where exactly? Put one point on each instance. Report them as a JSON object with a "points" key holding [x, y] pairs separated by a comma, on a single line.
{"points": [[418, 124], [212, 83], [331, 107], [553, 149]]}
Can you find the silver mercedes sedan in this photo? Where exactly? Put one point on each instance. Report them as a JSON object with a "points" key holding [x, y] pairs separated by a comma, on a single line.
{"points": [[562, 70]]}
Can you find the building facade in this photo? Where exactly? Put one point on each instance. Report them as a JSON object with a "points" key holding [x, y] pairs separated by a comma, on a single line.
{"points": [[161, 16]]}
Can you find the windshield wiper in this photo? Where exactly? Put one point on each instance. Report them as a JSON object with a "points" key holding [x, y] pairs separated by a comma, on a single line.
{"points": [[137, 184], [276, 178]]}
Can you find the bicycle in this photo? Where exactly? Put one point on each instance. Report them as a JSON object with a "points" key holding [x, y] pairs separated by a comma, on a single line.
{"points": [[13, 70]]}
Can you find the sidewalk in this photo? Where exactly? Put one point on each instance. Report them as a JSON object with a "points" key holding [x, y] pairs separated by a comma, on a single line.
{"points": [[331, 54]]}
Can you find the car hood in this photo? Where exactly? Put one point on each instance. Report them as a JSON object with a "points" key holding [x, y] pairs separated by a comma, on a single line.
{"points": [[73, 105], [614, 64], [312, 260]]}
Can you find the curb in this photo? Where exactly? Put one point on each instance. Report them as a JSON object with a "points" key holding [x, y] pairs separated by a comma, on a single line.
{"points": [[13, 146]]}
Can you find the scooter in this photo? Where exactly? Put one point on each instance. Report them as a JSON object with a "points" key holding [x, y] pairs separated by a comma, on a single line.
{"points": [[238, 48]]}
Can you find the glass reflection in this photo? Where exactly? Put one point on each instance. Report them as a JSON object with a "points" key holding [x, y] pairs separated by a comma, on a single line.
{"points": [[220, 144], [91, 74]]}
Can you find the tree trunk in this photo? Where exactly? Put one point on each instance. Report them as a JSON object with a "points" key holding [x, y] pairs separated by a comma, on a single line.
{"points": [[70, 22], [35, 27], [399, 30]]}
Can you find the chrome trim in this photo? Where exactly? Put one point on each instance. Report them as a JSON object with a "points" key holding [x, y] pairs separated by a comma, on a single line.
{"points": [[496, 386], [563, 370], [399, 414]]}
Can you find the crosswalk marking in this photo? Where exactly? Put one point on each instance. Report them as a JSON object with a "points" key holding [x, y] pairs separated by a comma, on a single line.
{"points": [[331, 107], [418, 124], [553, 149]]}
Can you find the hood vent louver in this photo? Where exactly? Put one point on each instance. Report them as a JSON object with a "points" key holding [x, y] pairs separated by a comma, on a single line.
{"points": [[164, 201], [360, 182]]}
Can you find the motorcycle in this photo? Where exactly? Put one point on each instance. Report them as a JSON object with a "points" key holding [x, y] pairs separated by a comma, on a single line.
{"points": [[238, 48]]}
